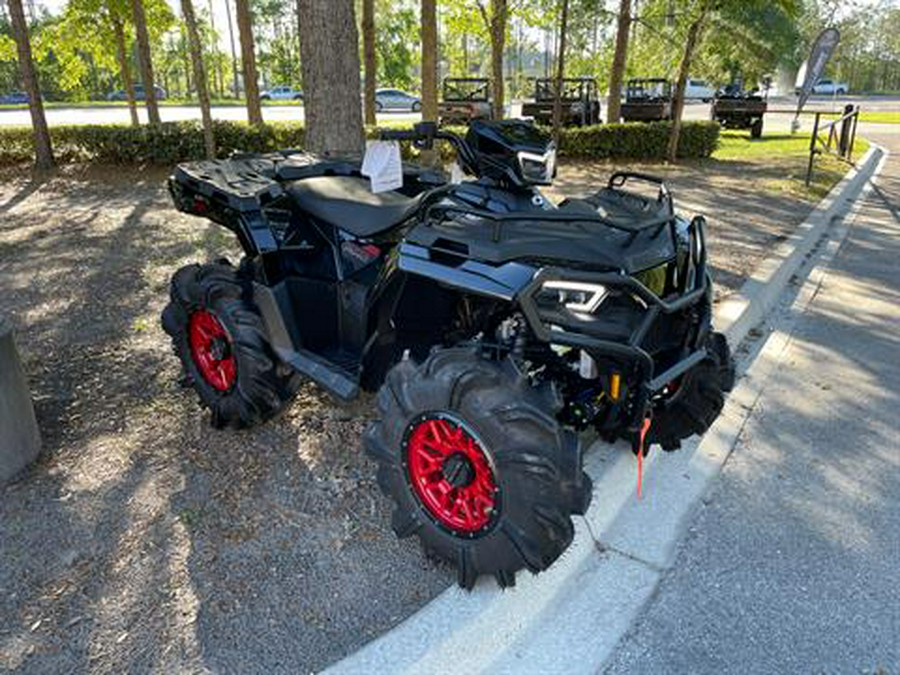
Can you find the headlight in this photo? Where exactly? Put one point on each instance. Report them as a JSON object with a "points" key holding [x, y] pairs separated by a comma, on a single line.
{"points": [[538, 169], [574, 295]]}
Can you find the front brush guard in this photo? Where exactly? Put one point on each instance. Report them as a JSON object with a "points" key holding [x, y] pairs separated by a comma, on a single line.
{"points": [[575, 335]]}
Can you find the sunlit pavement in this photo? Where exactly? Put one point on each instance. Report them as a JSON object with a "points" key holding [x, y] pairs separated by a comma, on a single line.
{"points": [[791, 564], [693, 110]]}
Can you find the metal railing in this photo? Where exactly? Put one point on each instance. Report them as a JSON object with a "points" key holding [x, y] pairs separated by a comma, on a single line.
{"points": [[840, 141]]}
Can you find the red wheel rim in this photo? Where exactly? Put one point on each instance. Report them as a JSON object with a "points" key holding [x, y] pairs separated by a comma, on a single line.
{"points": [[211, 350], [450, 474]]}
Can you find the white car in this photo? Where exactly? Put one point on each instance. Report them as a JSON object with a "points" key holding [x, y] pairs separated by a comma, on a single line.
{"points": [[699, 89], [830, 87], [282, 94]]}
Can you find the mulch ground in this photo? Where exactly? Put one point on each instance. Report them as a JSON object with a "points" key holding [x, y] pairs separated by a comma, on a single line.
{"points": [[146, 541]]}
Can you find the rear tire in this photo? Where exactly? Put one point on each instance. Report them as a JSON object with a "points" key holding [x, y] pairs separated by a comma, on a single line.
{"points": [[256, 385], [756, 129], [699, 399], [530, 465]]}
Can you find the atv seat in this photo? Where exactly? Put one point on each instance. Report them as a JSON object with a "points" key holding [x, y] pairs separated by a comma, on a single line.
{"points": [[347, 202]]}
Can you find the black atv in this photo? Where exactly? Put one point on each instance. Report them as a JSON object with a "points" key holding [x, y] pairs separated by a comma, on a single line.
{"points": [[493, 323]]}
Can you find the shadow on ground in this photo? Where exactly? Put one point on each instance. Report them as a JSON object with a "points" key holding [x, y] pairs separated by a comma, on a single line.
{"points": [[144, 540]]}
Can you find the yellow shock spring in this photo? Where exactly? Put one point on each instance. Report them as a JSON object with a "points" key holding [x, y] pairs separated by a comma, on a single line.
{"points": [[615, 385]]}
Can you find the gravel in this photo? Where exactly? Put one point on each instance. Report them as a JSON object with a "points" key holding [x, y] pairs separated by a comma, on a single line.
{"points": [[145, 541]]}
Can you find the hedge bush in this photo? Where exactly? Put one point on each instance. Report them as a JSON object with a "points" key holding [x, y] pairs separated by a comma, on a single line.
{"points": [[166, 143], [173, 142], [635, 140]]}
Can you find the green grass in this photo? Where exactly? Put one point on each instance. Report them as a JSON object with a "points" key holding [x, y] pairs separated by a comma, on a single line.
{"points": [[787, 156], [737, 145], [880, 116]]}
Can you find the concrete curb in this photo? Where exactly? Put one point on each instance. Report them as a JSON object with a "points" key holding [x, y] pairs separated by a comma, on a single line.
{"points": [[740, 312], [570, 618]]}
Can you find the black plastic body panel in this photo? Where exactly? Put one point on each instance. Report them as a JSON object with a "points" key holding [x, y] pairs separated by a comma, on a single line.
{"points": [[502, 282], [630, 235]]}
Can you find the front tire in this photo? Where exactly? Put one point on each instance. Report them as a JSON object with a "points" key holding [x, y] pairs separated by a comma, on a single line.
{"points": [[477, 464], [221, 340], [699, 399]]}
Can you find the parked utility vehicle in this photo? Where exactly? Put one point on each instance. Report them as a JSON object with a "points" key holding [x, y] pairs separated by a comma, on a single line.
{"points": [[734, 108], [647, 100], [464, 99], [493, 323], [579, 100]]}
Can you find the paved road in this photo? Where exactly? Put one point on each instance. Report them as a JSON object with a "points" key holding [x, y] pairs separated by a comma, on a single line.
{"points": [[119, 114], [792, 563]]}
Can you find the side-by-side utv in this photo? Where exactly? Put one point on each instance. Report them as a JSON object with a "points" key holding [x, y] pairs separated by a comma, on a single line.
{"points": [[464, 99], [579, 99], [647, 100]]}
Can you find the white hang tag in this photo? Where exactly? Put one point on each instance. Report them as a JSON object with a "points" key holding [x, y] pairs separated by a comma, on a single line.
{"points": [[383, 165], [456, 174]]}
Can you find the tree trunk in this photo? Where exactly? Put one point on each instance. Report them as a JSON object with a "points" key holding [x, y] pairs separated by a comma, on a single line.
{"points": [[429, 61], [186, 54], [196, 48], [43, 151], [496, 25], [234, 61], [214, 52], [329, 57], [560, 70], [143, 42], [368, 28], [248, 61], [125, 70], [695, 32], [499, 13], [617, 72]]}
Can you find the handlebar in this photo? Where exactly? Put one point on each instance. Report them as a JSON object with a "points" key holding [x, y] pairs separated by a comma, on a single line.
{"points": [[424, 134], [399, 135], [618, 180]]}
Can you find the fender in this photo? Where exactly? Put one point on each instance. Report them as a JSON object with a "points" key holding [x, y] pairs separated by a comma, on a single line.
{"points": [[502, 282]]}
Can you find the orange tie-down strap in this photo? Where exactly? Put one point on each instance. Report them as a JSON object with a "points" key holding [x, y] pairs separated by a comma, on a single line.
{"points": [[641, 451]]}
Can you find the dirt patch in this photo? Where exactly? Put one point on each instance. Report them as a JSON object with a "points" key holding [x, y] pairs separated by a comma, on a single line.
{"points": [[146, 541]]}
